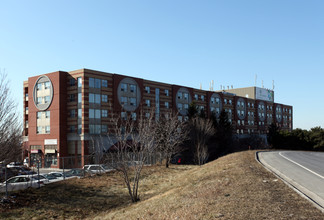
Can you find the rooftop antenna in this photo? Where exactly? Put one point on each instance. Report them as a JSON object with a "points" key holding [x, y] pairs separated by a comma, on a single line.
{"points": [[200, 86], [255, 79], [232, 87], [212, 85], [273, 86], [227, 87], [221, 87], [262, 84]]}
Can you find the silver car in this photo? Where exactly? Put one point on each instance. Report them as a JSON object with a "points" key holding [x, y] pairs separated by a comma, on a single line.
{"points": [[96, 168], [20, 182]]}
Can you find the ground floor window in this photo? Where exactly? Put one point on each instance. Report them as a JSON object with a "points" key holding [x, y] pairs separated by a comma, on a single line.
{"points": [[50, 160]]}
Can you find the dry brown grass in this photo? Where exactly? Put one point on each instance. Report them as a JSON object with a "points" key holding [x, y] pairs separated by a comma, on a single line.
{"points": [[233, 187]]}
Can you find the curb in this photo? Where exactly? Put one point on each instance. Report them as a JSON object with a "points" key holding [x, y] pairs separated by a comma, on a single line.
{"points": [[305, 193]]}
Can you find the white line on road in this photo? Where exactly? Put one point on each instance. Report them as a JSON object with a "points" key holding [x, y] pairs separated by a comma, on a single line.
{"points": [[302, 166]]}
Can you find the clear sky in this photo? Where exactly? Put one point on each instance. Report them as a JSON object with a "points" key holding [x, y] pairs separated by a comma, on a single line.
{"points": [[177, 42]]}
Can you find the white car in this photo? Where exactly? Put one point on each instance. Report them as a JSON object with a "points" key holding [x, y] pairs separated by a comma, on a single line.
{"points": [[96, 168], [20, 182]]}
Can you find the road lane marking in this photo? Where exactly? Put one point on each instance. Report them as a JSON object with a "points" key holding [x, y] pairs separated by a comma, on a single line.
{"points": [[302, 166]]}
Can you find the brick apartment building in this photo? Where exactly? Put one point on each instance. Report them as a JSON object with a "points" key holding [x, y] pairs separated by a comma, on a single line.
{"points": [[63, 111]]}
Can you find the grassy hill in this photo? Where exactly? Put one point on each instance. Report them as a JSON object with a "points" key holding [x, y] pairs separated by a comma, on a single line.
{"points": [[232, 187]]}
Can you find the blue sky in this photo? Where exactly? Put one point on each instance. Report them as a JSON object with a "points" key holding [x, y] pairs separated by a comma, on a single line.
{"points": [[177, 42]]}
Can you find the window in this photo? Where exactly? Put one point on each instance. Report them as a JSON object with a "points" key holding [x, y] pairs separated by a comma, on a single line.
{"points": [[39, 86], [98, 83], [133, 116], [71, 97], [185, 96], [47, 114], [39, 130], [123, 115], [47, 99], [147, 102], [217, 100], [132, 88], [97, 113], [230, 102], [179, 95], [166, 92], [123, 100], [91, 113], [225, 101], [104, 113], [79, 113], [91, 98], [202, 97], [123, 87], [196, 97], [132, 101], [39, 100], [91, 82], [47, 85], [72, 82], [179, 106], [147, 115], [79, 97], [147, 89], [104, 83], [72, 129], [166, 104], [79, 129], [104, 98], [97, 98], [212, 100], [72, 113], [186, 106], [79, 82], [238, 104], [39, 115], [47, 129], [104, 128]]}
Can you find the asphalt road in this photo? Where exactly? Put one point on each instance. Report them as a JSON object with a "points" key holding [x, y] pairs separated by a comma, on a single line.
{"points": [[303, 170]]}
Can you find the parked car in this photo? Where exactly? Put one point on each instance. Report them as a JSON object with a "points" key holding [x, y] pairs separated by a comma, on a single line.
{"points": [[15, 164], [40, 177], [96, 168], [20, 182], [75, 172], [60, 175], [21, 170]]}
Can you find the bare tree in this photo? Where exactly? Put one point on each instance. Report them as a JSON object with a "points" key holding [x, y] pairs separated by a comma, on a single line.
{"points": [[10, 126], [134, 143], [170, 134], [201, 131]]}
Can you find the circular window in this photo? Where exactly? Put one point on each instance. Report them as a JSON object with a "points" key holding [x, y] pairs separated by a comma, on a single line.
{"points": [[43, 93], [129, 94]]}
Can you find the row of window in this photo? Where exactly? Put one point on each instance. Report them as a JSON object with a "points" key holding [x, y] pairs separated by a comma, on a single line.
{"points": [[97, 83], [45, 114], [43, 129], [197, 97], [183, 95], [44, 85], [148, 90], [43, 100]]}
